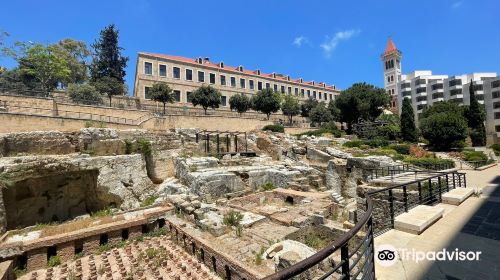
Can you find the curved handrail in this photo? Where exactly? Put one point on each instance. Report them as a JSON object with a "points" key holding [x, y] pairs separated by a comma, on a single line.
{"points": [[324, 253]]}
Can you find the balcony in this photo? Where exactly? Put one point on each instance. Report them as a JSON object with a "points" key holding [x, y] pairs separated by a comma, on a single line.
{"points": [[455, 87]]}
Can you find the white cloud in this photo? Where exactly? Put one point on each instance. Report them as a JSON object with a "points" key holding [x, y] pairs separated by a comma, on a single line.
{"points": [[299, 41], [457, 4], [331, 42]]}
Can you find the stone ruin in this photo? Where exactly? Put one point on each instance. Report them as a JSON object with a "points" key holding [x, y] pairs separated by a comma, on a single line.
{"points": [[97, 193]]}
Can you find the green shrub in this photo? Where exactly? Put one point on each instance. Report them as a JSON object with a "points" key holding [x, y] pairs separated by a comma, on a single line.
{"points": [[474, 156], [274, 128], [145, 146], [102, 213], [268, 186], [233, 218], [429, 162], [326, 128], [353, 144], [18, 272], [403, 149], [54, 261], [377, 142], [149, 201], [128, 147], [496, 149]]}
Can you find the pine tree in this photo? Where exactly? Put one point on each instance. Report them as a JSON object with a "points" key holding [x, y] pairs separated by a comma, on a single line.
{"points": [[409, 131], [475, 120], [108, 60]]}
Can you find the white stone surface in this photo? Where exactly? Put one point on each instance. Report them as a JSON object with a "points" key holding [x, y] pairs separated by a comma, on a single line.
{"points": [[418, 219], [457, 196]]}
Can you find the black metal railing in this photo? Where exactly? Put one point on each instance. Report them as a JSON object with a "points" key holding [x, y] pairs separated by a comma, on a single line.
{"points": [[357, 252], [390, 170], [392, 201], [434, 166], [355, 261]]}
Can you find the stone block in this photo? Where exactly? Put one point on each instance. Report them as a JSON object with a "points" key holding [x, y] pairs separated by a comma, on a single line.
{"points": [[37, 259], [457, 196], [418, 219], [66, 251]]}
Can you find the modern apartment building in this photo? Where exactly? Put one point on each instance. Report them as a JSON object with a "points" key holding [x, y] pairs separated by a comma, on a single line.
{"points": [[424, 89], [185, 75]]}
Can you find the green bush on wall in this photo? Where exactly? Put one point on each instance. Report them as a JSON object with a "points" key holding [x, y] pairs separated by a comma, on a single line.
{"points": [[274, 128]]}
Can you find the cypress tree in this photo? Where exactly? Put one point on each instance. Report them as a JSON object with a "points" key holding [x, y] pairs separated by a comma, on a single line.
{"points": [[409, 131], [108, 60], [475, 119]]}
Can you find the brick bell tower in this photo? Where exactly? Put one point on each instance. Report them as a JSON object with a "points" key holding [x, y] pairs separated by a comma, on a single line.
{"points": [[391, 60]]}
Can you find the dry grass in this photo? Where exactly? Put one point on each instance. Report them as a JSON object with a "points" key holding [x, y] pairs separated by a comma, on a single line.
{"points": [[78, 225]]}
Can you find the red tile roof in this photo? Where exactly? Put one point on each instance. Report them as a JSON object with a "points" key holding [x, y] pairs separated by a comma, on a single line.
{"points": [[235, 69], [390, 48]]}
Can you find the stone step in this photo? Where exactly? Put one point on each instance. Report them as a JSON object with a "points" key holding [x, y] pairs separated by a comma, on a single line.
{"points": [[418, 219], [457, 196]]}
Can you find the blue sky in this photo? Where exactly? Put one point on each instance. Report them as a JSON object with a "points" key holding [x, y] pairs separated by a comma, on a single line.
{"points": [[338, 42]]}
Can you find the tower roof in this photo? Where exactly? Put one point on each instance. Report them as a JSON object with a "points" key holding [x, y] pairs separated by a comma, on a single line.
{"points": [[390, 48]]}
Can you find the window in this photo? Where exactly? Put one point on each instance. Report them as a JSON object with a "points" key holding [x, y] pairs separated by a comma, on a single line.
{"points": [[495, 94], [275, 87], [437, 95], [289, 90], [189, 74], [495, 84], [308, 93], [212, 78], [454, 92], [314, 93], [242, 83], [223, 80], [268, 85], [282, 89], [223, 101], [319, 95], [406, 93], [201, 76], [189, 96], [422, 89], [147, 95], [480, 97], [497, 128], [233, 81], [478, 87], [421, 106], [148, 68], [405, 85], [437, 86], [455, 82], [388, 79], [296, 91], [420, 82], [163, 70], [392, 78], [177, 95], [250, 84], [496, 105], [421, 98], [259, 85], [302, 92]]}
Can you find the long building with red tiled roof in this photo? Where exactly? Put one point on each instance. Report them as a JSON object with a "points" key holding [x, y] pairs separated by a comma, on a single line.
{"points": [[184, 75]]}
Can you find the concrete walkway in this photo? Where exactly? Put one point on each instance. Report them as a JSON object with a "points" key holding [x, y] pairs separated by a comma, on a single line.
{"points": [[472, 226]]}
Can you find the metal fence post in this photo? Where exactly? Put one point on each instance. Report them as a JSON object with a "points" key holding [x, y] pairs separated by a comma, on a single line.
{"points": [[405, 198], [344, 256], [447, 184], [430, 189], [419, 192], [391, 207], [439, 189]]}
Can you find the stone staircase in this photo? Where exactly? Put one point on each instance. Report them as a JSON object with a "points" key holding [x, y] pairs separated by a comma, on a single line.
{"points": [[337, 197]]}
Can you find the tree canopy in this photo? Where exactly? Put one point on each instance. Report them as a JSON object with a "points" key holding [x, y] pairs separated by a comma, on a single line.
{"points": [[84, 93], [240, 103], [307, 106], [206, 97], [475, 119], [109, 86], [290, 107], [107, 58], [361, 101], [409, 131], [161, 92], [266, 101], [320, 114], [444, 125]]}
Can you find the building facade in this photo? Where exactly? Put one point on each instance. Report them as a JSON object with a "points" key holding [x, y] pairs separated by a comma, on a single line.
{"points": [[425, 88], [391, 59], [185, 75]]}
